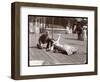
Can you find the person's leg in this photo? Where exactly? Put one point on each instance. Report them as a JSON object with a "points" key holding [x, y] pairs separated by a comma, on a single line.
{"points": [[49, 43], [78, 36], [39, 45], [82, 36]]}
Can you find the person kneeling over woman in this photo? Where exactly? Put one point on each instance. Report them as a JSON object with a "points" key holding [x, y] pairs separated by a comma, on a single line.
{"points": [[45, 39], [55, 45]]}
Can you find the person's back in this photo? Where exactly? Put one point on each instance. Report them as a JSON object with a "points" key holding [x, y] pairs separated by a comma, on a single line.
{"points": [[43, 38]]}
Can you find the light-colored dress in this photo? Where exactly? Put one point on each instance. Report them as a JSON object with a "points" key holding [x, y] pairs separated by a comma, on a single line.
{"points": [[67, 48]]}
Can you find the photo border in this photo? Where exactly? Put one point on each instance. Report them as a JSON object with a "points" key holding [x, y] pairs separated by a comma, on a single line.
{"points": [[15, 40], [55, 64]]}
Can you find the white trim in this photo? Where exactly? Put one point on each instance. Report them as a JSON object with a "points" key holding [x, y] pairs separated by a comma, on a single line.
{"points": [[25, 70]]}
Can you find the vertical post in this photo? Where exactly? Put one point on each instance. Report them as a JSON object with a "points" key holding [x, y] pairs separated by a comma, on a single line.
{"points": [[44, 23], [35, 28], [52, 26]]}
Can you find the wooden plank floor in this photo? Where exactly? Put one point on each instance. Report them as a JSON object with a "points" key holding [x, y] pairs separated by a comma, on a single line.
{"points": [[51, 58]]}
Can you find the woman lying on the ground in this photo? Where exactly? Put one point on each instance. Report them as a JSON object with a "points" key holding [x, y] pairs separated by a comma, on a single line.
{"points": [[66, 49]]}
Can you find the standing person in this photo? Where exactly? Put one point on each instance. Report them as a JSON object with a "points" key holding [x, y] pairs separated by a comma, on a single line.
{"points": [[84, 35], [79, 30], [67, 30]]}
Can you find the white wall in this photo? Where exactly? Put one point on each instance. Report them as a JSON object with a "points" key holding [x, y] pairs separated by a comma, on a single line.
{"points": [[5, 40]]}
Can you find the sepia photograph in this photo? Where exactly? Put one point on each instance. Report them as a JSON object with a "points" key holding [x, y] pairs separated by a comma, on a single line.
{"points": [[53, 40], [57, 40]]}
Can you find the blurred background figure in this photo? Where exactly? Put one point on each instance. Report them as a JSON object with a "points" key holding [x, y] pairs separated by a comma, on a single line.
{"points": [[84, 33], [79, 30], [68, 30]]}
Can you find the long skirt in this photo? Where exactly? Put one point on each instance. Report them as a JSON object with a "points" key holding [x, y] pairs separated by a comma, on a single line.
{"points": [[66, 48]]}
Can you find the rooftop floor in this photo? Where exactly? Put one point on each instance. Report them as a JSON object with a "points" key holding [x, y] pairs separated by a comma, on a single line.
{"points": [[51, 58]]}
